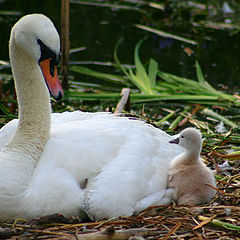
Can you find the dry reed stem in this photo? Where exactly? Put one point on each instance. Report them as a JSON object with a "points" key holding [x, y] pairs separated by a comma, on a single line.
{"points": [[65, 43]]}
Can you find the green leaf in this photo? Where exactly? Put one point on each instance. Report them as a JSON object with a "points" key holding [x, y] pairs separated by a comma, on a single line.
{"points": [[200, 76], [140, 77], [219, 117], [140, 70], [166, 34], [116, 79], [152, 72]]}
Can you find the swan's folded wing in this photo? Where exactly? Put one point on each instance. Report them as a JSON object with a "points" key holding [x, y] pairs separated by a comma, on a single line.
{"points": [[7, 131]]}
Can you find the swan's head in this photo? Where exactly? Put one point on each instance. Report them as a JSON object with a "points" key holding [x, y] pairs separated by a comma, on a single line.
{"points": [[190, 139], [36, 35]]}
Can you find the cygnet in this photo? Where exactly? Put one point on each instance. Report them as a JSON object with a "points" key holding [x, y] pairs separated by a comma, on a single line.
{"points": [[189, 177]]}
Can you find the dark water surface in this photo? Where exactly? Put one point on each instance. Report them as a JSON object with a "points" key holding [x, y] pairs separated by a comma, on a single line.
{"points": [[100, 28]]}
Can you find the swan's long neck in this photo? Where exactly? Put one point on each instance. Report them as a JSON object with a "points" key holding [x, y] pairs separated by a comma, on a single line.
{"points": [[34, 105], [19, 157]]}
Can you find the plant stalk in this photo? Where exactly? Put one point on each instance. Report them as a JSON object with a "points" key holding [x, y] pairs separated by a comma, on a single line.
{"points": [[65, 43]]}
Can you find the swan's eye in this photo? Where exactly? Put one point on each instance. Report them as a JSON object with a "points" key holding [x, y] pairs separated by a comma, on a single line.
{"points": [[182, 136], [47, 53]]}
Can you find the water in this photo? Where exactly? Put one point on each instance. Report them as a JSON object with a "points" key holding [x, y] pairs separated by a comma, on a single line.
{"points": [[100, 28]]}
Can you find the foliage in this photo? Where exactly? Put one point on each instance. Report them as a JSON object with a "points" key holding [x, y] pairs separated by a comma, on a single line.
{"points": [[150, 84], [164, 99]]}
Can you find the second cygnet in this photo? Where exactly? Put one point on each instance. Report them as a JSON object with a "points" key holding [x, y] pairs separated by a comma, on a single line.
{"points": [[188, 175]]}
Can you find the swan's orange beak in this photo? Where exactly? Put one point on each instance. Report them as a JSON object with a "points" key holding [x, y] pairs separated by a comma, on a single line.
{"points": [[51, 77]]}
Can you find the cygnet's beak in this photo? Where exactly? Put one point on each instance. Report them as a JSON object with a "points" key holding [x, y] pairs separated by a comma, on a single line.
{"points": [[176, 141], [51, 77]]}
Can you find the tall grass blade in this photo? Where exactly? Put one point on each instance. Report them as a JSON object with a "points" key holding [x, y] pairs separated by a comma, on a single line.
{"points": [[166, 34], [219, 117], [140, 69], [202, 80], [200, 76], [92, 96], [140, 77], [116, 79], [165, 118], [152, 72], [110, 5]]}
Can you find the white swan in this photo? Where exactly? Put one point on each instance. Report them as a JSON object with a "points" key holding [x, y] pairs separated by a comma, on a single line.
{"points": [[188, 175], [96, 162]]}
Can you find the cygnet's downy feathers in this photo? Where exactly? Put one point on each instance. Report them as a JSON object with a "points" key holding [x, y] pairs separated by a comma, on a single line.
{"points": [[190, 178]]}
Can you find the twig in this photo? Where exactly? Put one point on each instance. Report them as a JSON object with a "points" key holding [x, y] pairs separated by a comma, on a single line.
{"points": [[65, 44], [219, 223], [189, 115], [231, 156], [204, 222], [172, 231], [113, 234], [124, 102]]}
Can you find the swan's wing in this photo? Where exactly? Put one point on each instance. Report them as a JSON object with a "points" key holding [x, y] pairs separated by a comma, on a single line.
{"points": [[162, 197], [139, 170], [77, 148], [7, 131], [120, 161]]}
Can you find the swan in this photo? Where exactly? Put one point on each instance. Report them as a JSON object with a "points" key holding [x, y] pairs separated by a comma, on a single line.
{"points": [[188, 175], [72, 163]]}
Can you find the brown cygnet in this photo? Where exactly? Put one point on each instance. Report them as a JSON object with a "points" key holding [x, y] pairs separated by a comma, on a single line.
{"points": [[188, 175]]}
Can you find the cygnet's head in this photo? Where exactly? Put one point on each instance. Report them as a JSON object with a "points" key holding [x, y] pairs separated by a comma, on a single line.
{"points": [[190, 139], [37, 37]]}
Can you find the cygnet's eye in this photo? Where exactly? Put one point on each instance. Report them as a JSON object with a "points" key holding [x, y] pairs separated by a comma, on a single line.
{"points": [[182, 136]]}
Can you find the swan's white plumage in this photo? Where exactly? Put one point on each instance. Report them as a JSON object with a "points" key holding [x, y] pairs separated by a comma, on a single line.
{"points": [[123, 160], [100, 163]]}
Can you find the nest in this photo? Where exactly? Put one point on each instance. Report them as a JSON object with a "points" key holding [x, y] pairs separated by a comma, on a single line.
{"points": [[220, 219]]}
